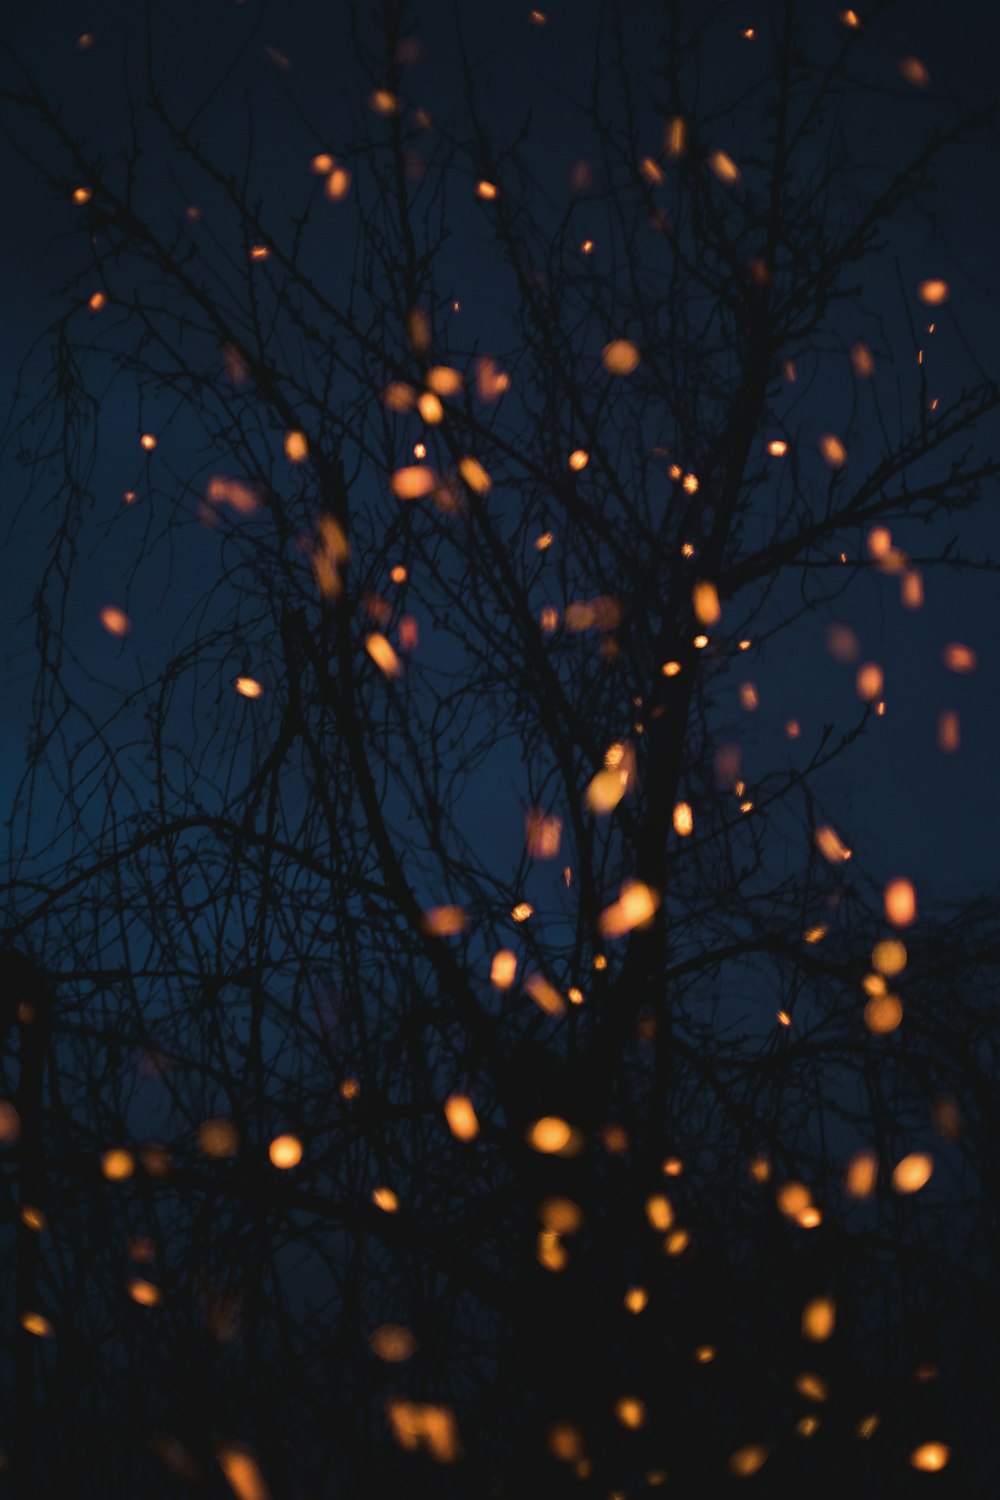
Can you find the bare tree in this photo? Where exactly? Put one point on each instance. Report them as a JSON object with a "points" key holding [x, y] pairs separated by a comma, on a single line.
{"points": [[379, 1145]]}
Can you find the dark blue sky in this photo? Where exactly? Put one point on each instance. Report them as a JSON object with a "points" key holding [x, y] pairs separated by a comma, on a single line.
{"points": [[919, 811]]}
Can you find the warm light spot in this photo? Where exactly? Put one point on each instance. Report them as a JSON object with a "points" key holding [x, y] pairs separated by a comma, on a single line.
{"points": [[242, 1473], [350, 1088], [431, 1428], [486, 190], [861, 1175], [914, 72], [833, 450], [747, 1461], [883, 1014], [700, 642], [117, 1164], [542, 834], [322, 164], [830, 845], [385, 1199], [749, 698], [522, 911], [145, 1293], [792, 1198], [819, 1319], [675, 136], [445, 921], [296, 447], [670, 668], [949, 732], [705, 598], [503, 969], [676, 1242], [600, 962], [338, 184], [759, 1169], [285, 1152], [33, 1322], [587, 247], [777, 447], [475, 475], [900, 903], [868, 1426], [606, 790], [807, 1425], [33, 1218], [218, 1138], [783, 1018], [959, 658], [248, 687], [862, 361], [545, 995], [869, 681], [430, 408], [561, 1215], [850, 18], [636, 1299], [398, 396], [683, 819], [620, 357], [550, 1135], [912, 1173], [815, 934], [813, 1387], [393, 1343], [579, 459], [574, 995], [793, 729], [704, 1354], [115, 620], [566, 1442], [889, 956], [382, 654], [97, 301], [383, 102], [147, 441], [724, 167], [82, 195], [659, 1212], [930, 1457], [637, 905], [630, 1411]]}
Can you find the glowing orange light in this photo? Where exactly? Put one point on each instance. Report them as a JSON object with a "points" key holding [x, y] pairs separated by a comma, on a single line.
{"points": [[115, 620], [959, 658], [913, 1172], [777, 447], [930, 1457], [117, 1164], [620, 357], [248, 687], [385, 1199], [900, 902], [461, 1116], [486, 190], [833, 450], [724, 167], [285, 1152]]}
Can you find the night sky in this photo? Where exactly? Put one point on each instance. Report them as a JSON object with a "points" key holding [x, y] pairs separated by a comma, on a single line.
{"points": [[242, 985]]}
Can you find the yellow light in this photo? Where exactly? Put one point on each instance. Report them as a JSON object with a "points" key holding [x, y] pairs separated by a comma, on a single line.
{"points": [[33, 1322], [705, 598], [700, 642], [579, 459], [82, 195], [900, 903], [683, 819], [637, 905], [620, 357], [670, 668], [830, 845], [385, 1199], [461, 1117], [636, 1299], [630, 1411], [285, 1152], [117, 1164], [724, 167], [746, 1461], [475, 475], [959, 658], [392, 1343], [551, 1136], [777, 447], [248, 687], [486, 190], [933, 292], [833, 450], [913, 1172], [889, 956], [704, 1354], [930, 1457], [819, 1319], [445, 921], [883, 1014], [218, 1138], [145, 1293], [382, 654], [242, 1473], [659, 1212], [522, 911], [115, 620], [296, 447], [861, 1175]]}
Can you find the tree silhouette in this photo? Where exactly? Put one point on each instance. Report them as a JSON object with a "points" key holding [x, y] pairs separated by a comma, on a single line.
{"points": [[410, 890]]}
